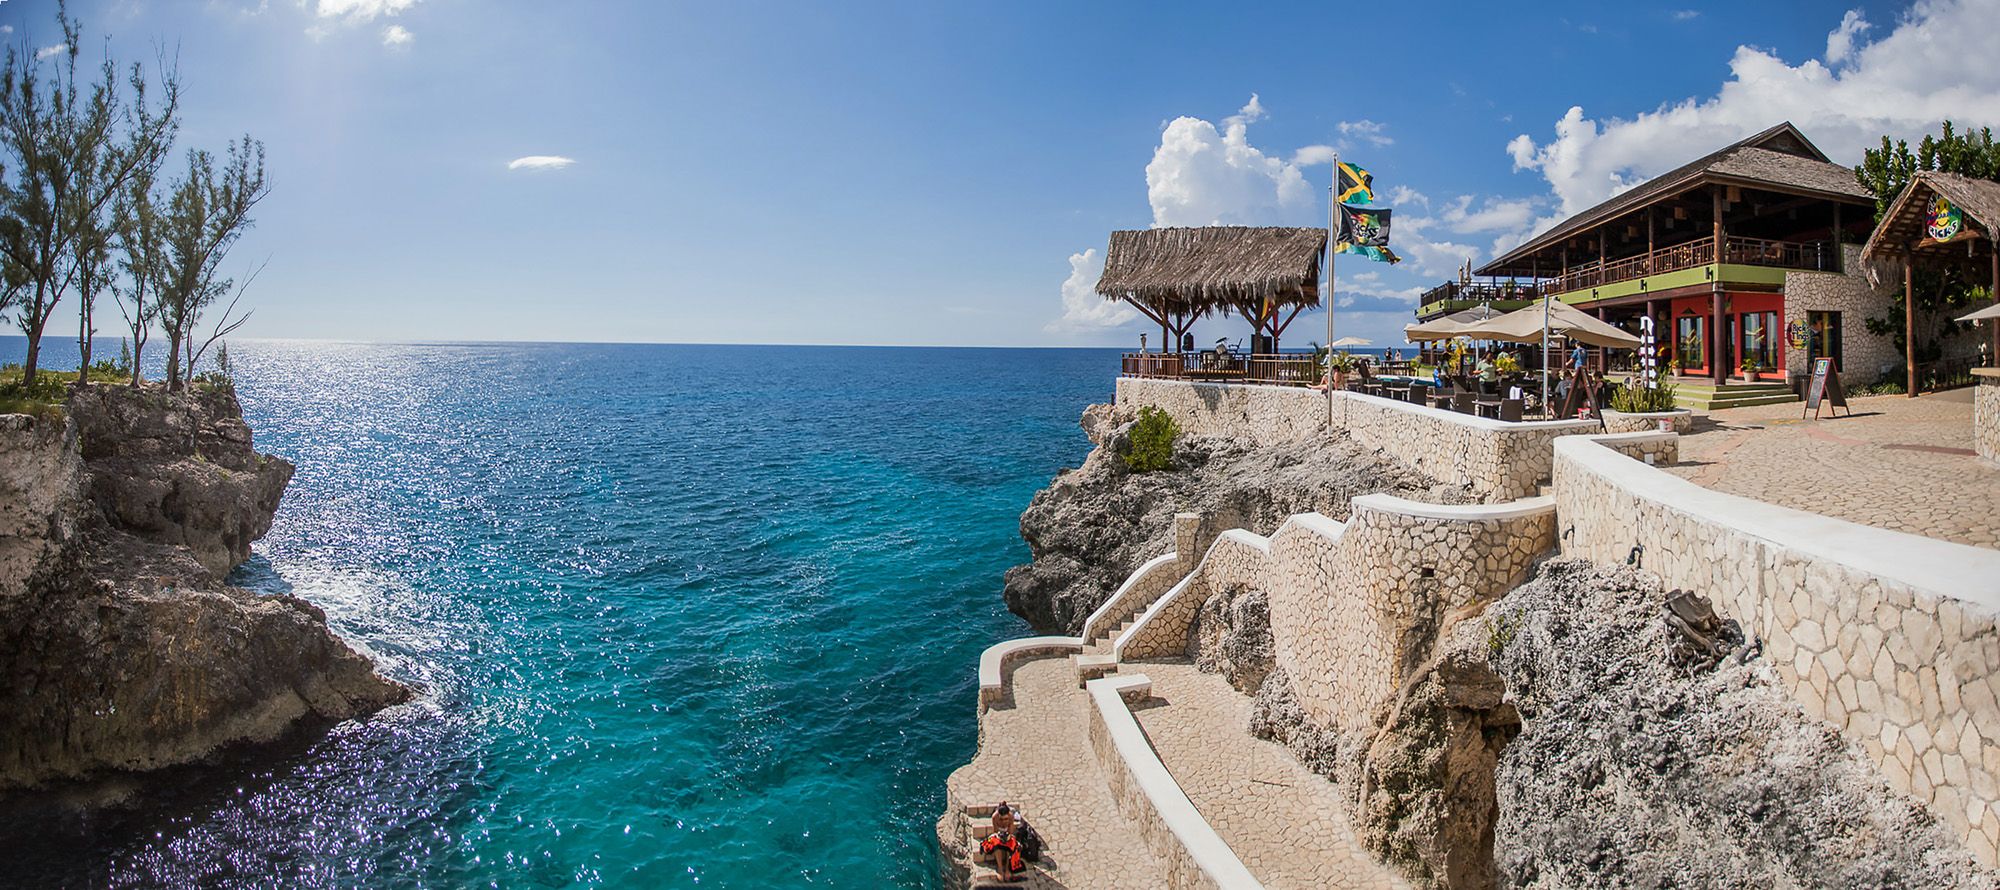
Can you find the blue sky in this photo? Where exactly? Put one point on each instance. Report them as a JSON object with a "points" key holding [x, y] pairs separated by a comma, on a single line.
{"points": [[942, 173]]}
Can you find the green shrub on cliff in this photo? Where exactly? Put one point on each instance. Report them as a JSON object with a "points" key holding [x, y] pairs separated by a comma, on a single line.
{"points": [[1152, 441]]}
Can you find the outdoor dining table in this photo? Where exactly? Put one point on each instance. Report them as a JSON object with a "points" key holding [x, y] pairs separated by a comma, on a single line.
{"points": [[1399, 393], [1487, 408]]}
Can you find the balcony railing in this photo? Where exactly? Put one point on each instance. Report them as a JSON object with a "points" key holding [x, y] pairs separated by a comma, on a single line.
{"points": [[1819, 256], [1298, 369]]}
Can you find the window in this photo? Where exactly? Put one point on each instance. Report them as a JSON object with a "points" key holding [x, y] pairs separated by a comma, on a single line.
{"points": [[1760, 339], [1823, 336], [1691, 341]]}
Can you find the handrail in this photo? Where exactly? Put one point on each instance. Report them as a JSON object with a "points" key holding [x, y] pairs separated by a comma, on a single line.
{"points": [[1817, 256]]}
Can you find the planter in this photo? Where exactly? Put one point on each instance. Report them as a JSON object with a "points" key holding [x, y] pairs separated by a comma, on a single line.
{"points": [[1681, 419]]}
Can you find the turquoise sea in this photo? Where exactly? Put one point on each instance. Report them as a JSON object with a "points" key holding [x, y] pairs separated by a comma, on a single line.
{"points": [[684, 616]]}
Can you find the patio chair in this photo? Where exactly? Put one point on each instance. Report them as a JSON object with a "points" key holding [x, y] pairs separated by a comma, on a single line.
{"points": [[1461, 402], [1420, 393], [1510, 410]]}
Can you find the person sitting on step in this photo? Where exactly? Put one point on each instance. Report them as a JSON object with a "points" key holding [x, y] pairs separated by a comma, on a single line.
{"points": [[1002, 845]]}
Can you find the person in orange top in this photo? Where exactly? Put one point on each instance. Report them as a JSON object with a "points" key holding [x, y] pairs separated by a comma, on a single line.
{"points": [[1001, 844]]}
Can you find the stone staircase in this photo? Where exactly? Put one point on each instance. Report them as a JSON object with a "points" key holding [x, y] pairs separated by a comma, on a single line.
{"points": [[977, 825], [1097, 660], [1706, 396]]}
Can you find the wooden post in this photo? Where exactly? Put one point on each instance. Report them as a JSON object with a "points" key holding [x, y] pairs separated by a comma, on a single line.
{"points": [[1993, 290], [1718, 335], [1910, 321], [1649, 247]]}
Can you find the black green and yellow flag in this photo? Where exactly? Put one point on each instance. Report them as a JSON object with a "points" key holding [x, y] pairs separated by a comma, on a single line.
{"points": [[1365, 231], [1356, 185]]}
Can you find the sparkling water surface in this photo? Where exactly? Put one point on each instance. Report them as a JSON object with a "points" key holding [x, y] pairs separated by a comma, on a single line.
{"points": [[681, 615]]}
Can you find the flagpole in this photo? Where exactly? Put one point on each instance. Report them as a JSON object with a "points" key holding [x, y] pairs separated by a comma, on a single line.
{"points": [[1546, 412], [1332, 233]]}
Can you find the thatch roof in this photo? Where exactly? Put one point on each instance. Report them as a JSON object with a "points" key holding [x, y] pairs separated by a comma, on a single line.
{"points": [[1201, 269], [1778, 159], [1903, 224]]}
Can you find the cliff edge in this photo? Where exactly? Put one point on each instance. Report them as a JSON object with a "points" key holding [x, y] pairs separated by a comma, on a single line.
{"points": [[1093, 525], [121, 646]]}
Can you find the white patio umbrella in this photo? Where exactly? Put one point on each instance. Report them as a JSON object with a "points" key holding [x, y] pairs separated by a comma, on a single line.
{"points": [[1992, 311], [1353, 341], [1550, 317]]}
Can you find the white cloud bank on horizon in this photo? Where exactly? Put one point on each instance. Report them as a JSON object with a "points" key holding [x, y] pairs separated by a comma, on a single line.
{"points": [[540, 162], [1084, 310], [1902, 85]]}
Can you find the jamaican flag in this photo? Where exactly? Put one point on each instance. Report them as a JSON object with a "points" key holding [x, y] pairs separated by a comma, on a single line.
{"points": [[1356, 185], [1365, 230]]}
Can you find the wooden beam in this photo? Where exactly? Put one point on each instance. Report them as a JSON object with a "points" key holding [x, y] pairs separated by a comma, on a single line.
{"points": [[1718, 340], [1910, 323]]}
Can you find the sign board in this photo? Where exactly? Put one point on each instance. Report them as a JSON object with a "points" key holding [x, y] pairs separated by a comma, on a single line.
{"points": [[1825, 387]]}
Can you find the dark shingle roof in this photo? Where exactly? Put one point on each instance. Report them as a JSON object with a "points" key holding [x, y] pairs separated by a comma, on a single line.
{"points": [[1780, 158]]}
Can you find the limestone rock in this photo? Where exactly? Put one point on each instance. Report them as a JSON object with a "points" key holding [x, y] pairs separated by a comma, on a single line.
{"points": [[121, 647], [1092, 526]]}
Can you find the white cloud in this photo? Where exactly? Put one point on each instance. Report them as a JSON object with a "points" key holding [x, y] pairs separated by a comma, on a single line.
{"points": [[6, 29], [1083, 308], [396, 35], [540, 162], [1840, 43], [48, 51], [1365, 131], [1202, 176], [1686, 15], [360, 10], [1901, 85], [1492, 215]]}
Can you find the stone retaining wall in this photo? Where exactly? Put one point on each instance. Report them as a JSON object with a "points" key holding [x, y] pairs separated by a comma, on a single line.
{"points": [[1496, 461], [1355, 604], [1986, 412], [1891, 638], [1195, 856]]}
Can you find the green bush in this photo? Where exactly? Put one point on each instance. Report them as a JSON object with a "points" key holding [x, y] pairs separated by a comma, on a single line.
{"points": [[1637, 399], [1152, 441]]}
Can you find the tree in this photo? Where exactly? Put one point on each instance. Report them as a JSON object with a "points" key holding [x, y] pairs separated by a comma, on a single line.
{"points": [[136, 225], [1885, 172], [209, 209], [68, 163]]}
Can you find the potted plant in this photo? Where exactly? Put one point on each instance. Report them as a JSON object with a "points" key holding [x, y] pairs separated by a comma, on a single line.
{"points": [[1750, 368]]}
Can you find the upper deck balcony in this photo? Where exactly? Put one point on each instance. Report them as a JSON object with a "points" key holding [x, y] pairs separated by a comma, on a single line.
{"points": [[1597, 281], [1453, 296]]}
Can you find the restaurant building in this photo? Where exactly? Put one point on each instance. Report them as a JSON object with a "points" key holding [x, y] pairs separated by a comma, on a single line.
{"points": [[1747, 259]]}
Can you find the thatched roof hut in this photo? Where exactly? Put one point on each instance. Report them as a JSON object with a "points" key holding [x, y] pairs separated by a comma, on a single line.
{"points": [[1903, 239], [1200, 270]]}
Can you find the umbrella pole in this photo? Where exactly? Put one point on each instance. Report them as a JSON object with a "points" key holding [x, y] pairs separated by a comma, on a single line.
{"points": [[1545, 359]]}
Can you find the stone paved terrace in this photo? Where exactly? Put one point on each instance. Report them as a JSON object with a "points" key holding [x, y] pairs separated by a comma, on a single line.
{"points": [[1036, 754], [1284, 821], [1899, 463]]}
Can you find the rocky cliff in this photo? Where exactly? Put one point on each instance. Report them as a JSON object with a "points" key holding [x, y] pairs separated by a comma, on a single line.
{"points": [[121, 646], [1092, 526]]}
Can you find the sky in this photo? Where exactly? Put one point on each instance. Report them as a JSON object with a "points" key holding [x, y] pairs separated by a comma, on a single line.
{"points": [[949, 174]]}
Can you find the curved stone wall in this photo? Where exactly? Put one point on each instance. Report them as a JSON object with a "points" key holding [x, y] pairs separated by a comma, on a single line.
{"points": [[1891, 638], [1496, 461]]}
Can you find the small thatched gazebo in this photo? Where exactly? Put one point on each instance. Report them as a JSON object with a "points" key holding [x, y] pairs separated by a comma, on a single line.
{"points": [[1903, 239], [1176, 275]]}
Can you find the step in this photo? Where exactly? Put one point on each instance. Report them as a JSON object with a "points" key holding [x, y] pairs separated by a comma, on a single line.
{"points": [[1090, 667], [1735, 400]]}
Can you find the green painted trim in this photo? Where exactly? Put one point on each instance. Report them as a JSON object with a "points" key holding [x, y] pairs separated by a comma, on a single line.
{"points": [[1446, 307], [1729, 273]]}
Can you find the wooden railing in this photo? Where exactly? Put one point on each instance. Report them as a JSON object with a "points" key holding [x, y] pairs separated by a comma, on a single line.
{"points": [[1815, 255], [1293, 369]]}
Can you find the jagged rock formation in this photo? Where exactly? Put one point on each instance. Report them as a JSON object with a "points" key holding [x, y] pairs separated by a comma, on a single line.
{"points": [[1093, 525], [1232, 637], [121, 647], [1637, 765], [1580, 732]]}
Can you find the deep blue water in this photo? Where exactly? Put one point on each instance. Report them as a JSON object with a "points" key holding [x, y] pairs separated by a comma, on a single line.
{"points": [[682, 615]]}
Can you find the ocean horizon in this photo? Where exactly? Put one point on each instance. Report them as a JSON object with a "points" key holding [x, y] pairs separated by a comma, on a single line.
{"points": [[682, 615]]}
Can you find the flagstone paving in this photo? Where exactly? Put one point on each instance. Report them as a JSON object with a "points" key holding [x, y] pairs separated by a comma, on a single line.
{"points": [[1036, 754], [1284, 821], [1896, 463]]}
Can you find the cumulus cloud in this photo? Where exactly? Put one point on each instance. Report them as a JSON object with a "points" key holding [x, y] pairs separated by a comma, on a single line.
{"points": [[48, 51], [1083, 309], [396, 35], [1902, 85], [540, 162], [1204, 175], [360, 10], [1364, 130], [1686, 15]]}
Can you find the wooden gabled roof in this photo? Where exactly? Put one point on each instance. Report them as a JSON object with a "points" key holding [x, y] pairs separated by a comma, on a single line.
{"points": [[1903, 225], [1779, 159]]}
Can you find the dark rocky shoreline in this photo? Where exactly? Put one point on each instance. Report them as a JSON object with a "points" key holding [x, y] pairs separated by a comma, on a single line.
{"points": [[123, 647]]}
